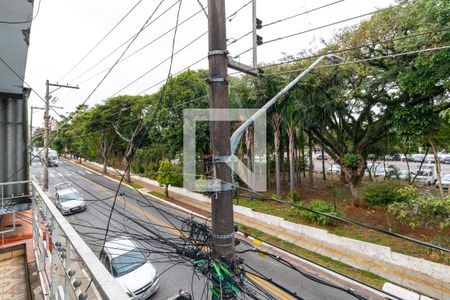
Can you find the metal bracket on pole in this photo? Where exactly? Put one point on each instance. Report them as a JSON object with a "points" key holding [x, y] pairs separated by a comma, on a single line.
{"points": [[218, 79], [243, 68], [217, 52], [222, 236]]}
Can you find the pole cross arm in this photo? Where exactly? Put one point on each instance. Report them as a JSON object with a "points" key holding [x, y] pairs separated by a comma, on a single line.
{"points": [[243, 68], [237, 134]]}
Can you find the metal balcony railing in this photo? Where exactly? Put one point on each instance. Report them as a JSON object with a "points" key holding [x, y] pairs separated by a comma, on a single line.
{"points": [[67, 267]]}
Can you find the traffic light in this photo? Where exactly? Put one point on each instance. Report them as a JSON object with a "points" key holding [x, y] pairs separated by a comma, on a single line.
{"points": [[258, 23], [259, 40]]}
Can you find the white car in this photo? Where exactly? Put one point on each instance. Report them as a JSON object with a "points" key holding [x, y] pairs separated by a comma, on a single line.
{"points": [[445, 180], [334, 168], [425, 177], [68, 199], [131, 268]]}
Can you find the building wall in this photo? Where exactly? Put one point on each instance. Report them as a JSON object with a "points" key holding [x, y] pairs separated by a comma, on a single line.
{"points": [[13, 146]]}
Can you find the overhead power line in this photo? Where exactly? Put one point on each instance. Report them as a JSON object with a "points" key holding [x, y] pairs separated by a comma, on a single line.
{"points": [[125, 42], [143, 47], [344, 50], [101, 40], [303, 13], [321, 27]]}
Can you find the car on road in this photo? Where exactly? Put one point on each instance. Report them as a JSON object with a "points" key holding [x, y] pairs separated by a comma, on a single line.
{"points": [[53, 160], [122, 257], [334, 168], [68, 199], [445, 180]]}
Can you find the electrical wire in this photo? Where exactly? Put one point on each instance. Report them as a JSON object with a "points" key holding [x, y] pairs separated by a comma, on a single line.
{"points": [[101, 40], [303, 13], [143, 47], [321, 27], [124, 43]]}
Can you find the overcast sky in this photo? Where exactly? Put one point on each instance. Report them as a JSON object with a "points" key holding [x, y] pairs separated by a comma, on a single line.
{"points": [[64, 31]]}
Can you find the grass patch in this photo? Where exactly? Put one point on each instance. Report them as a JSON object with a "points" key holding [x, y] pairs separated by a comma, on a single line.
{"points": [[135, 185], [363, 276], [346, 230], [157, 194]]}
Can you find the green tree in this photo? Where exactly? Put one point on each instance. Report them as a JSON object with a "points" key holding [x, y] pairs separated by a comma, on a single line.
{"points": [[58, 145], [166, 175]]}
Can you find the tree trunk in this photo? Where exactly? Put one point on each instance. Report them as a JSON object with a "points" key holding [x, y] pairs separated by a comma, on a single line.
{"points": [[303, 160], [249, 145], [311, 162], [127, 169], [166, 190], [324, 175], [437, 164], [421, 163], [291, 134], [355, 177], [276, 122], [105, 167]]}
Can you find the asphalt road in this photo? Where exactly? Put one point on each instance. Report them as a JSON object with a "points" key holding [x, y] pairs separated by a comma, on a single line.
{"points": [[150, 221]]}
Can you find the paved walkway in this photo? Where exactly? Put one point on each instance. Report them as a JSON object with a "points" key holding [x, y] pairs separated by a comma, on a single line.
{"points": [[13, 280]]}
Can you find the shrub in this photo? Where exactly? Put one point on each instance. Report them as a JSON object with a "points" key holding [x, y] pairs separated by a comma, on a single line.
{"points": [[296, 197], [383, 193], [421, 211], [320, 206]]}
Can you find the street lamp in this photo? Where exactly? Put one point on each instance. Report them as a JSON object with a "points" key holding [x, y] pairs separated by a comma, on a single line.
{"points": [[237, 134]]}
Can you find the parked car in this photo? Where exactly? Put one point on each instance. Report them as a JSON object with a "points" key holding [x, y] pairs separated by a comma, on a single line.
{"points": [[417, 157], [68, 199], [446, 160], [403, 174], [334, 168], [425, 177], [445, 180], [131, 267]]}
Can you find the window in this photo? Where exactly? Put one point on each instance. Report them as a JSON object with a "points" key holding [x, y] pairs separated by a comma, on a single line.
{"points": [[127, 262]]}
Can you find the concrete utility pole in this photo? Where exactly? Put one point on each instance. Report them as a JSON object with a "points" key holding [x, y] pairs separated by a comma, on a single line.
{"points": [[255, 56], [46, 136], [47, 127], [221, 202]]}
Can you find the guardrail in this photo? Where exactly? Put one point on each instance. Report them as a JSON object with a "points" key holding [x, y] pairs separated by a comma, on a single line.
{"points": [[67, 267]]}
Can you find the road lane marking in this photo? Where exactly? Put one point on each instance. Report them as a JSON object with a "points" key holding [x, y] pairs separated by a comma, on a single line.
{"points": [[270, 287], [139, 210]]}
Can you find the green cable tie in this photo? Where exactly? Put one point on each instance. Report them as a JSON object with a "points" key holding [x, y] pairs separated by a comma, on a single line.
{"points": [[214, 292], [226, 271], [217, 270], [199, 262]]}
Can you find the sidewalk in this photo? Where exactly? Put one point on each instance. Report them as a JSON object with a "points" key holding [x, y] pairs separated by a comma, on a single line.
{"points": [[418, 274]]}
